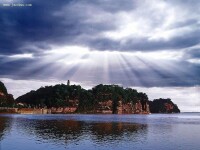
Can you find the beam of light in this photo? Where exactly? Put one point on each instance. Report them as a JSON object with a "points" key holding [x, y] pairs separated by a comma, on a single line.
{"points": [[106, 68], [157, 73], [169, 71], [56, 61], [133, 75], [110, 67], [128, 77], [116, 70]]}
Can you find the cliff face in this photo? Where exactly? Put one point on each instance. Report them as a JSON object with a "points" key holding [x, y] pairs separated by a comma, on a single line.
{"points": [[163, 106], [104, 99], [140, 107], [106, 107], [130, 108], [71, 107], [5, 98]]}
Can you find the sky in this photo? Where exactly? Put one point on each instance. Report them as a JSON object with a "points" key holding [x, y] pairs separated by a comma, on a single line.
{"points": [[152, 46]]}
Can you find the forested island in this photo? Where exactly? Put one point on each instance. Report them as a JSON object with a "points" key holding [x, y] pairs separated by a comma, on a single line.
{"points": [[103, 99]]}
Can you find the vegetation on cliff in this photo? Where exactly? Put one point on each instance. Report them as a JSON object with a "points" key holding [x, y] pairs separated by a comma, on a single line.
{"points": [[163, 106], [3, 88], [60, 96], [6, 100]]}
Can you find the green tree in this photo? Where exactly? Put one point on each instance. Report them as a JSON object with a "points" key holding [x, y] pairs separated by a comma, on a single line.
{"points": [[3, 88]]}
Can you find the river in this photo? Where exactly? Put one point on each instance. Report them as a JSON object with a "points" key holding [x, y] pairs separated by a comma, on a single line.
{"points": [[100, 132]]}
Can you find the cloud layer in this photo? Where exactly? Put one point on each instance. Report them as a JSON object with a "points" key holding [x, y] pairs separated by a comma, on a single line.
{"points": [[131, 42]]}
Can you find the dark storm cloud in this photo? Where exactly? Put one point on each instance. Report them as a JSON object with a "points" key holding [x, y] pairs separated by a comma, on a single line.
{"points": [[66, 22], [30, 25], [155, 76], [13, 69], [39, 26], [114, 6], [143, 44], [192, 53]]}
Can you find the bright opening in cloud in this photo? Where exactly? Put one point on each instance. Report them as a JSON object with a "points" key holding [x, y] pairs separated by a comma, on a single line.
{"points": [[21, 56]]}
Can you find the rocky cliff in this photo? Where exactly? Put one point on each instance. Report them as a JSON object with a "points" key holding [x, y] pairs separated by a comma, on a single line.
{"points": [[106, 107], [137, 108], [105, 99]]}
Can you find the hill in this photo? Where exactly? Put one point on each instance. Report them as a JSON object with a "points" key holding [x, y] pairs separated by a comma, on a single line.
{"points": [[6, 100], [3, 88], [163, 106], [100, 99]]}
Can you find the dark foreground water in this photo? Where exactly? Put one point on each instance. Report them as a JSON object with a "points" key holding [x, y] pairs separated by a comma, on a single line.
{"points": [[100, 132]]}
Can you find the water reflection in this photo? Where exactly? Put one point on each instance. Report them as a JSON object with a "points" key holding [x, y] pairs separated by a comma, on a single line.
{"points": [[57, 131], [5, 125], [69, 131], [22, 132], [110, 131]]}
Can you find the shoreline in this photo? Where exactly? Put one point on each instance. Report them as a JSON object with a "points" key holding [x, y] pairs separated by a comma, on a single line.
{"points": [[54, 110], [41, 111]]}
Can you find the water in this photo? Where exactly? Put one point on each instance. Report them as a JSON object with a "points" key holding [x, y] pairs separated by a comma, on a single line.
{"points": [[100, 132]]}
